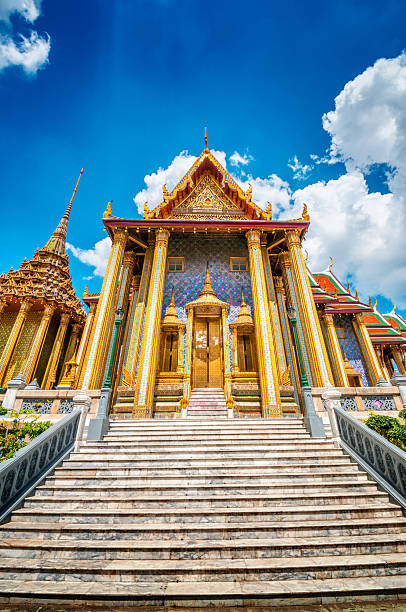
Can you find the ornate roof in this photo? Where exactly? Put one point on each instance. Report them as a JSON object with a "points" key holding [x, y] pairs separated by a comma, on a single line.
{"points": [[344, 301], [380, 330], [218, 196], [46, 277], [396, 321]]}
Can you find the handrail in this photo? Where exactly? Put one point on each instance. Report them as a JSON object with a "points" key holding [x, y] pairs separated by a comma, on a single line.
{"points": [[25, 470], [384, 461]]}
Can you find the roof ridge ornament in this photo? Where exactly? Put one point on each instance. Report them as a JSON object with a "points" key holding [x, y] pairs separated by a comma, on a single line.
{"points": [[305, 213], [330, 264], [205, 140], [107, 213]]}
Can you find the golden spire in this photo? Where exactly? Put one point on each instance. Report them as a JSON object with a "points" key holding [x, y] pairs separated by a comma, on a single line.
{"points": [[244, 317], [171, 316], [207, 288], [205, 139], [107, 213], [56, 244], [86, 292]]}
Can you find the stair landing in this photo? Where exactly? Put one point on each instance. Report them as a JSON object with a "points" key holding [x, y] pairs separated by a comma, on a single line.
{"points": [[207, 404]]}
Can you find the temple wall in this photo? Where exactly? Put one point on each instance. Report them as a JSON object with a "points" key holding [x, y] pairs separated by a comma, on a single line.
{"points": [[23, 346], [349, 346], [46, 350], [197, 251], [7, 320]]}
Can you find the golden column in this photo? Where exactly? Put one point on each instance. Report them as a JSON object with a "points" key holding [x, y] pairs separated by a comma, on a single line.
{"points": [[271, 403], [334, 349], [308, 314], [294, 301], [290, 349], [188, 354], [135, 333], [84, 341], [52, 365], [13, 338], [398, 360], [144, 391], [92, 366], [123, 289], [367, 350], [31, 360], [273, 310], [227, 355]]}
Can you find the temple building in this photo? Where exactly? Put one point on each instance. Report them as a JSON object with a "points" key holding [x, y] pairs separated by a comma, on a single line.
{"points": [[41, 318], [206, 291]]}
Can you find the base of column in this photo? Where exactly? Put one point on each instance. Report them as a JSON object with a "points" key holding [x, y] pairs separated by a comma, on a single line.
{"points": [[272, 412]]}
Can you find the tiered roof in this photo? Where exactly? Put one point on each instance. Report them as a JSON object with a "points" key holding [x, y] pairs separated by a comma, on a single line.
{"points": [[45, 279], [344, 301]]}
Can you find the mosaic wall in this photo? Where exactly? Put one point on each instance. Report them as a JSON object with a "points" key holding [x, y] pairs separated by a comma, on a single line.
{"points": [[349, 346], [46, 350], [197, 251], [7, 320]]}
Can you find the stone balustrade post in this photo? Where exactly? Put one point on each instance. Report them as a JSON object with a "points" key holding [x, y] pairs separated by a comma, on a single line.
{"points": [[98, 426], [331, 398], [313, 423], [13, 385], [399, 381], [82, 401]]}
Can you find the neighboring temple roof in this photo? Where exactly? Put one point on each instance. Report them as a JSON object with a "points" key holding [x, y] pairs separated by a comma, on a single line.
{"points": [[343, 302], [46, 277], [396, 321], [380, 330]]}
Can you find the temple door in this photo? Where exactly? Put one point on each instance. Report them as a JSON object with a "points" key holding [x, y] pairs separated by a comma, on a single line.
{"points": [[207, 353]]}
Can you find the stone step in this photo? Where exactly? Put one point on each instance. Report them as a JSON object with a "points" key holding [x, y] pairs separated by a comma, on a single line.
{"points": [[286, 548], [183, 595], [72, 478], [180, 446], [230, 530], [321, 498], [154, 439], [185, 424], [204, 490], [115, 461], [273, 515], [205, 570]]}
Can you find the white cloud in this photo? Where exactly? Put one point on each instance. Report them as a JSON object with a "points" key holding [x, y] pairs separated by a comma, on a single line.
{"points": [[97, 257], [169, 176], [240, 160], [300, 171], [29, 52], [29, 9]]}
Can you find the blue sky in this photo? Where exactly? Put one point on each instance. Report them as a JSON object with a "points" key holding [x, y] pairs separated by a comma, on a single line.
{"points": [[128, 85]]}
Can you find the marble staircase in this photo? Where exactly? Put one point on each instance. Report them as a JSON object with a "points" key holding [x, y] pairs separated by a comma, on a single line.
{"points": [[207, 404], [195, 512]]}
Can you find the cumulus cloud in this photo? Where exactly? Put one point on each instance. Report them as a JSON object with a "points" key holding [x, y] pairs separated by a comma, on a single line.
{"points": [[240, 160], [96, 257], [300, 171], [29, 9], [31, 51]]}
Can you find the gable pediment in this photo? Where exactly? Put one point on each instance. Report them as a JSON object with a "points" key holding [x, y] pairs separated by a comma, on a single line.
{"points": [[207, 201]]}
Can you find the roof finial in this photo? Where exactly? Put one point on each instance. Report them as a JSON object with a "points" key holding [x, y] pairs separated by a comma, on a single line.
{"points": [[330, 264], [205, 139], [394, 307], [107, 213], [370, 301], [56, 244], [307, 255], [376, 303], [348, 286], [242, 297], [356, 294]]}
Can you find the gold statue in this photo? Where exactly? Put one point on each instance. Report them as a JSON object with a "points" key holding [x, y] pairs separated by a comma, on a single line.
{"points": [[305, 214]]}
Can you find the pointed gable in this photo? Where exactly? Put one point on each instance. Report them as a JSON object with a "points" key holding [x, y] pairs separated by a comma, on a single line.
{"points": [[207, 191]]}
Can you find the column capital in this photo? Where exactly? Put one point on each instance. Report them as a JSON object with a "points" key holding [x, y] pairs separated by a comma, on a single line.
{"points": [[48, 311], [129, 259], [76, 327], [25, 306], [292, 238], [65, 318], [253, 237], [285, 260], [162, 237], [120, 237], [328, 319]]}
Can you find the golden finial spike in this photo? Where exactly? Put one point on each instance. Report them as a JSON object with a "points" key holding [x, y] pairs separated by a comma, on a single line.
{"points": [[205, 139], [348, 286], [107, 213], [307, 255], [376, 303], [370, 301], [356, 294], [330, 264], [172, 302], [394, 307], [86, 292], [242, 297], [305, 214], [69, 207]]}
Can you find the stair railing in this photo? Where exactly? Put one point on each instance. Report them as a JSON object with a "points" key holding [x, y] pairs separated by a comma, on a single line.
{"points": [[384, 462], [20, 474]]}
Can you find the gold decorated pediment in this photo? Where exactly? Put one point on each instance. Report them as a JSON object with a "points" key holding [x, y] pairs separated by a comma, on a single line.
{"points": [[207, 201]]}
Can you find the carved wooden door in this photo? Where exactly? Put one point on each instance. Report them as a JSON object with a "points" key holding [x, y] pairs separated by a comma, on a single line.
{"points": [[207, 359]]}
